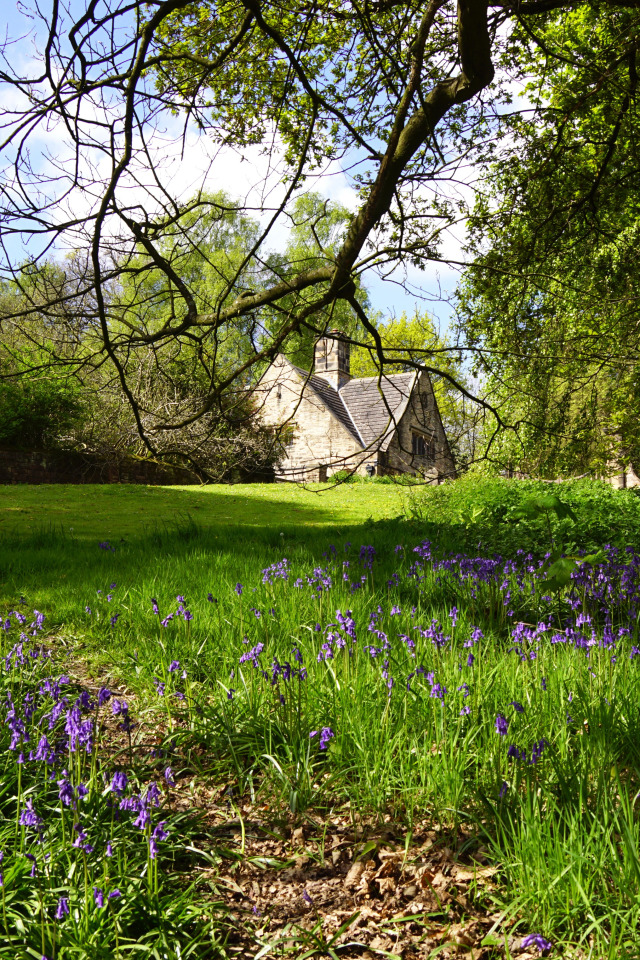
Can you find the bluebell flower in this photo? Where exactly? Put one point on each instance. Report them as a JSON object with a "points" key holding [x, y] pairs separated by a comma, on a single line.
{"points": [[119, 782], [158, 835], [536, 940], [65, 792], [326, 734], [98, 897], [517, 706], [502, 725], [29, 817], [62, 909]]}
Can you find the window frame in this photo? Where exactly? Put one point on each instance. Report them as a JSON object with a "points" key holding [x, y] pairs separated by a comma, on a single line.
{"points": [[428, 443]]}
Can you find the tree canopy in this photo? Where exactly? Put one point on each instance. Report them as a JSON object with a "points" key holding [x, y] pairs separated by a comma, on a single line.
{"points": [[551, 301], [405, 98]]}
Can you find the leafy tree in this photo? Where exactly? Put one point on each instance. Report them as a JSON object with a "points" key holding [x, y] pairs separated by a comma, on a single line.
{"points": [[551, 300], [403, 94]]}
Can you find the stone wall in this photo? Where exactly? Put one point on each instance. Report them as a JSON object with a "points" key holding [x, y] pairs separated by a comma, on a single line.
{"points": [[319, 443], [423, 415], [56, 466], [624, 479]]}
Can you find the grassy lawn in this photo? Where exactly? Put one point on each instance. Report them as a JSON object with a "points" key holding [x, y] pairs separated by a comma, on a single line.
{"points": [[403, 731], [111, 512]]}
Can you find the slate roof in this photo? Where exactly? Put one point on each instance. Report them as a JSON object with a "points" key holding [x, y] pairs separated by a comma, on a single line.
{"points": [[359, 407], [331, 399], [374, 416]]}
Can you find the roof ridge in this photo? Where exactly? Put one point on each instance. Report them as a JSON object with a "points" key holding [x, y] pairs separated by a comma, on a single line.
{"points": [[384, 376], [391, 398], [308, 380]]}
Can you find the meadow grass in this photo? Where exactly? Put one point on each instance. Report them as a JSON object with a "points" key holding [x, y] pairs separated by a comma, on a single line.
{"points": [[346, 660]]}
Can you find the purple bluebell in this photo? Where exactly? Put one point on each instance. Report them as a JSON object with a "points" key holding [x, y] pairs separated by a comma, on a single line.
{"points": [[502, 725], [62, 909], [65, 792], [157, 836], [119, 782], [326, 734], [29, 817], [536, 940]]}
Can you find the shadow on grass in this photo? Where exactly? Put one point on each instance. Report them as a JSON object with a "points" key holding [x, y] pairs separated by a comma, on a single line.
{"points": [[50, 565], [109, 511]]}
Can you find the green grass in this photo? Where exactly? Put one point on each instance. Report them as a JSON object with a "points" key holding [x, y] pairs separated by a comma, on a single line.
{"points": [[564, 830], [112, 512]]}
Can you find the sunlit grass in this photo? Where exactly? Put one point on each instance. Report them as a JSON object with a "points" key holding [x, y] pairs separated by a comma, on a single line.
{"points": [[373, 672]]}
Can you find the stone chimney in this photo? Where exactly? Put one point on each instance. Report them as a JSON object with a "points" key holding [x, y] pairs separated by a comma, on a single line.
{"points": [[332, 360]]}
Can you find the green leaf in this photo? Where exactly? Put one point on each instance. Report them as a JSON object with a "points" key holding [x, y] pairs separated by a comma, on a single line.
{"points": [[559, 573]]}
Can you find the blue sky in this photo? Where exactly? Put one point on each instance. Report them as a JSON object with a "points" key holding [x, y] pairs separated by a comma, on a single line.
{"points": [[426, 290]]}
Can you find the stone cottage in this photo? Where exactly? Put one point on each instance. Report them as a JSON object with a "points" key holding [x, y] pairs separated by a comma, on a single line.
{"points": [[328, 420]]}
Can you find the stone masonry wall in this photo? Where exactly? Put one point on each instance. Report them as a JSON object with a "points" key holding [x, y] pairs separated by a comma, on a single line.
{"points": [[423, 415], [55, 466], [320, 445]]}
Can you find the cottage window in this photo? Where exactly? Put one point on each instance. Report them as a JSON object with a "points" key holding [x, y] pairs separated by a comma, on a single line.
{"points": [[289, 435], [423, 446]]}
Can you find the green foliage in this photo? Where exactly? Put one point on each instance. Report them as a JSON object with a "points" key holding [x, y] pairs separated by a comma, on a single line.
{"points": [[493, 515], [346, 476], [550, 300], [318, 227], [39, 413], [562, 831]]}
